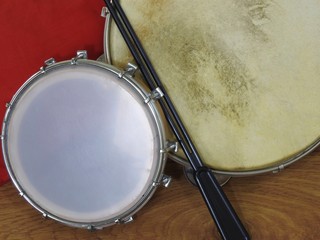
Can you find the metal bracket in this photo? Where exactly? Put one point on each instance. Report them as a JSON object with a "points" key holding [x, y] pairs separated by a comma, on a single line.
{"points": [[130, 70], [47, 63], [154, 95], [81, 54], [124, 220], [166, 180], [91, 228], [104, 12], [170, 147], [8, 105]]}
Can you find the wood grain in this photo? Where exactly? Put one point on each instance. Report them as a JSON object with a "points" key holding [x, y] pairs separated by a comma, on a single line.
{"points": [[272, 206]]}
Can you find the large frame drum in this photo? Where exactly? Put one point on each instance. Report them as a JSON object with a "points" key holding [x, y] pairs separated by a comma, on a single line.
{"points": [[243, 75]]}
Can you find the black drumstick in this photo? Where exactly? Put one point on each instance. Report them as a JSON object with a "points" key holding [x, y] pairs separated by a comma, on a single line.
{"points": [[226, 219]]}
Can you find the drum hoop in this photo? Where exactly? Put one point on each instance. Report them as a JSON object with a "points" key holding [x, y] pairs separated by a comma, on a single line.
{"points": [[274, 168], [151, 106]]}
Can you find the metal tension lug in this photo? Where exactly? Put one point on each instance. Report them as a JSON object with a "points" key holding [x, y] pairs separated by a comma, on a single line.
{"points": [[154, 95], [81, 54], [91, 228], [104, 11], [129, 70], [171, 147], [124, 220], [1, 137], [166, 180], [44, 216], [47, 63], [8, 105]]}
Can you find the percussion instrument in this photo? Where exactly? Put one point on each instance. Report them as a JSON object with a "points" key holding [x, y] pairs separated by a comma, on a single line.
{"points": [[221, 210], [243, 75], [84, 144]]}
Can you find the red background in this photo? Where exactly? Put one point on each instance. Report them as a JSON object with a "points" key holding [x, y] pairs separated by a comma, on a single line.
{"points": [[35, 30]]}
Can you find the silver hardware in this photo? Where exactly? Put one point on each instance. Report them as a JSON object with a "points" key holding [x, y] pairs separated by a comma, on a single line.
{"points": [[21, 194], [44, 215], [8, 105], [155, 184], [124, 220], [104, 11], [98, 228], [81, 54], [1, 137], [128, 71], [279, 169], [166, 180], [91, 228], [42, 69], [154, 95], [170, 147], [47, 63]]}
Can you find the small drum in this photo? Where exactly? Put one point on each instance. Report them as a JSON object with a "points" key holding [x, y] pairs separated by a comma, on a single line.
{"points": [[83, 144], [243, 75]]}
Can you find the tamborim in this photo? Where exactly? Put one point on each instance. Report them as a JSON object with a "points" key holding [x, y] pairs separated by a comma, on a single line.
{"points": [[82, 144], [244, 75]]}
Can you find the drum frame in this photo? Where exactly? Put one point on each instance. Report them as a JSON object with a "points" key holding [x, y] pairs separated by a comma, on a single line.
{"points": [[126, 76], [274, 169]]}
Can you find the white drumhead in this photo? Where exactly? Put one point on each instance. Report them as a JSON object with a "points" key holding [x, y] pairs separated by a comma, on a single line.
{"points": [[82, 144], [243, 75]]}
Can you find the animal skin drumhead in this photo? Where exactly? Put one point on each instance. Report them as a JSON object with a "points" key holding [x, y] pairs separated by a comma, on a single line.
{"points": [[243, 75]]}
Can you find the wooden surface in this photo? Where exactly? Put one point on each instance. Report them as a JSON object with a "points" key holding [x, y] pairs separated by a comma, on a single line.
{"points": [[272, 206]]}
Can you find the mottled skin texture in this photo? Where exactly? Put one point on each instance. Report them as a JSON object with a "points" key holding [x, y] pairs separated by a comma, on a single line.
{"points": [[244, 75]]}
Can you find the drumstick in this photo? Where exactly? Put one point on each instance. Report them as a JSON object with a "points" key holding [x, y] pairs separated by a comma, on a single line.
{"points": [[226, 219]]}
